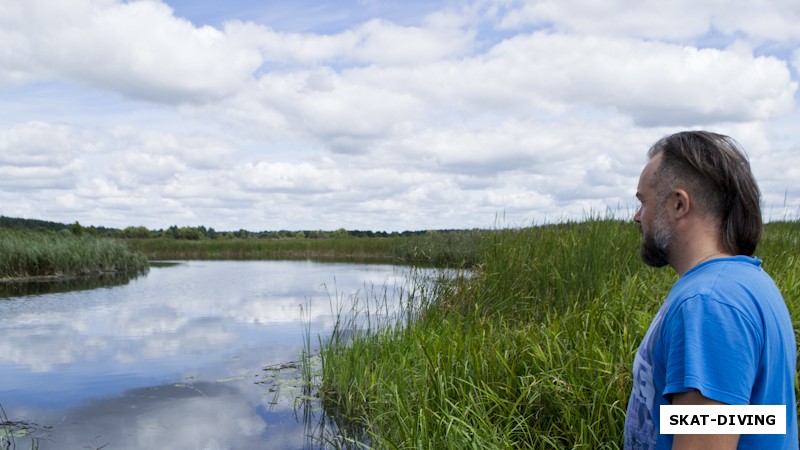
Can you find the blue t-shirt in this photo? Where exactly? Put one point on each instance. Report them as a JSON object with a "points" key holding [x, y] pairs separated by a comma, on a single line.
{"points": [[725, 331]]}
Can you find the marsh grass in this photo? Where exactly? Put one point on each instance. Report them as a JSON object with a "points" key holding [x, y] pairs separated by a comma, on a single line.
{"points": [[333, 248], [532, 350], [38, 255], [452, 248]]}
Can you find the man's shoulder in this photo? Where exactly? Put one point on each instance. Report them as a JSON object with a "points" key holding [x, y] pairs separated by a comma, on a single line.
{"points": [[731, 289], [733, 279]]}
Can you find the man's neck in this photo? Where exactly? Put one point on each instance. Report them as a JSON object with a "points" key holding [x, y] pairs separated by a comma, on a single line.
{"points": [[695, 245]]}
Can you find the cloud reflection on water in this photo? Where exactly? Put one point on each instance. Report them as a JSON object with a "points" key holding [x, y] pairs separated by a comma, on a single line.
{"points": [[203, 415], [138, 365]]}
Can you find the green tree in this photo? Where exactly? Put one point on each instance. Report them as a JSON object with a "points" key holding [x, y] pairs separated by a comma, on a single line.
{"points": [[76, 228], [189, 233], [139, 232]]}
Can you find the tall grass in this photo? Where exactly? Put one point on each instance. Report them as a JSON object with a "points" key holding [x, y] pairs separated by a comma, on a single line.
{"points": [[431, 248], [534, 350], [333, 248], [28, 254]]}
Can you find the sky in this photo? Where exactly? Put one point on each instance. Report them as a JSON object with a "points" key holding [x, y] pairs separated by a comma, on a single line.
{"points": [[382, 115]]}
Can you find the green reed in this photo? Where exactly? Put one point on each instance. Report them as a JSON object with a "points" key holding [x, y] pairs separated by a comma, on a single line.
{"points": [[430, 248], [29, 254], [333, 248], [532, 349]]}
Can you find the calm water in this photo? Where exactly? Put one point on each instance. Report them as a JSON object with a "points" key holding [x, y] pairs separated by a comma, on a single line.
{"points": [[173, 359]]}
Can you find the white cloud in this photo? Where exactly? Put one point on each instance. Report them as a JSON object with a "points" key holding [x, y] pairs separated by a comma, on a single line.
{"points": [[139, 49], [653, 19], [343, 115], [142, 169], [37, 155], [373, 42], [300, 178], [654, 83], [40, 144], [124, 113], [34, 178], [387, 44]]}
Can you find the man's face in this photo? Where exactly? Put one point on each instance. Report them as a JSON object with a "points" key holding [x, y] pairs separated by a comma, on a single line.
{"points": [[651, 217]]}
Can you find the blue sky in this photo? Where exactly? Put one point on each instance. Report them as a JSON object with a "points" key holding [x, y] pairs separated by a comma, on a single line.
{"points": [[300, 16], [380, 115]]}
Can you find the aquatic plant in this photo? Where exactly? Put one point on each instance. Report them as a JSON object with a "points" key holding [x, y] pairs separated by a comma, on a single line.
{"points": [[12, 431], [533, 350], [451, 248], [29, 254]]}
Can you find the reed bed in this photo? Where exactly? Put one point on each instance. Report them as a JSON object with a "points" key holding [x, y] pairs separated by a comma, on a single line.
{"points": [[46, 254], [333, 248], [431, 248], [532, 350]]}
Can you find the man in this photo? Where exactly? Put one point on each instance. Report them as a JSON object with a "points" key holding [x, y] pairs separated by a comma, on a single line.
{"points": [[723, 335]]}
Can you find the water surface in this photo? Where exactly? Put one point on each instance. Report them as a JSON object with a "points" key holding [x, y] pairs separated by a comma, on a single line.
{"points": [[174, 359]]}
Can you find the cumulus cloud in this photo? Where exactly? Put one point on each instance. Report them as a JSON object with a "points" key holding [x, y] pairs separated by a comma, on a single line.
{"points": [[654, 83], [38, 155], [37, 144], [652, 19], [290, 177], [443, 119], [139, 49], [343, 115], [376, 41], [359, 109]]}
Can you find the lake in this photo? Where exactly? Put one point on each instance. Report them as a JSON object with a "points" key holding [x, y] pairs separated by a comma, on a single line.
{"points": [[175, 358]]}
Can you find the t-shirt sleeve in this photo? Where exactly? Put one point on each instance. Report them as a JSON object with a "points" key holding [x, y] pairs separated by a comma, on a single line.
{"points": [[712, 347]]}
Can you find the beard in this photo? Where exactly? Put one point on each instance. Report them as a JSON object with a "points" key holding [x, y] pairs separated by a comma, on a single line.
{"points": [[655, 246]]}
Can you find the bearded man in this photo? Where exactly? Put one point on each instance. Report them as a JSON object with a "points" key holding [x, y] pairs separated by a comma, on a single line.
{"points": [[723, 335]]}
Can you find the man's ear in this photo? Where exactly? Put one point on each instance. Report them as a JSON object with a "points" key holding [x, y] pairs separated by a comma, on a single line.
{"points": [[680, 204]]}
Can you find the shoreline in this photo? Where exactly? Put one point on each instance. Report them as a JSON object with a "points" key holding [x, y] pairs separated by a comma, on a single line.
{"points": [[61, 277]]}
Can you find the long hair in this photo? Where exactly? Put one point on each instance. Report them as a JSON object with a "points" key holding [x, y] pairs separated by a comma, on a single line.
{"points": [[715, 171]]}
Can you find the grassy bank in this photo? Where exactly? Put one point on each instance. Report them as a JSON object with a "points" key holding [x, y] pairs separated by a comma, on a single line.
{"points": [[533, 351], [45, 254], [432, 247]]}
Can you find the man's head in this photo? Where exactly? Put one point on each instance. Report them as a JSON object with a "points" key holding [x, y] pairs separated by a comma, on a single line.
{"points": [[714, 172]]}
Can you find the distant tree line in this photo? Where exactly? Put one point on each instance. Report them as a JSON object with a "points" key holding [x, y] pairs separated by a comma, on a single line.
{"points": [[9, 222], [201, 232], [76, 228], [198, 232]]}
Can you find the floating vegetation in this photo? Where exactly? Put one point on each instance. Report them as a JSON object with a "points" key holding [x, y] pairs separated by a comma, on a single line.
{"points": [[15, 433]]}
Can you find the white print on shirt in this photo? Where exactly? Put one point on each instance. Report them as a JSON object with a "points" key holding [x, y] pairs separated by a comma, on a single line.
{"points": [[640, 427]]}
